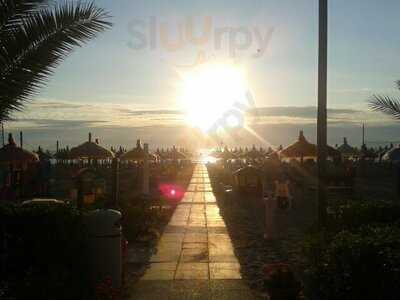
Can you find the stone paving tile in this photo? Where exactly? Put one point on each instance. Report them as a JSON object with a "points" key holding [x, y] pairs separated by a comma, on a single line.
{"points": [[194, 255], [225, 270], [198, 197], [165, 256], [174, 229], [192, 271], [172, 238], [195, 237], [195, 246], [161, 271], [199, 229]]}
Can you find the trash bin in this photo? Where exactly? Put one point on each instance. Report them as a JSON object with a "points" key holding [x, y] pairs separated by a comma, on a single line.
{"points": [[104, 247]]}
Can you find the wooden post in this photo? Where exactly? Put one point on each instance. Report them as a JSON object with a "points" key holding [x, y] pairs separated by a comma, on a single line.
{"points": [[363, 134], [21, 139], [322, 110], [146, 172], [2, 133], [115, 182], [79, 199]]}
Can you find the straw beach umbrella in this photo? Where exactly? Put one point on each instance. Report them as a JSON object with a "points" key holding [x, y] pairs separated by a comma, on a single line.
{"points": [[175, 155], [90, 150], [392, 155], [255, 154], [137, 154], [367, 154], [13, 155], [346, 150], [43, 156], [304, 149], [226, 154]]}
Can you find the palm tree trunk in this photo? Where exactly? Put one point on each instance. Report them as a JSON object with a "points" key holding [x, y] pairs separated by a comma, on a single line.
{"points": [[322, 110]]}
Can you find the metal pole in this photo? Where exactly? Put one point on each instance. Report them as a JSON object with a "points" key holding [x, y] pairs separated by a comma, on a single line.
{"points": [[21, 139], [363, 134], [146, 172], [2, 133], [322, 109], [115, 182]]}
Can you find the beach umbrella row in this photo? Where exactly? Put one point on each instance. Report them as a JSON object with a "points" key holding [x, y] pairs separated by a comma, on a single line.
{"points": [[92, 150]]}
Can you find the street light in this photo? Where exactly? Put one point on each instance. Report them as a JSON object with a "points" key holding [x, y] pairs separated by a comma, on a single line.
{"points": [[322, 109]]}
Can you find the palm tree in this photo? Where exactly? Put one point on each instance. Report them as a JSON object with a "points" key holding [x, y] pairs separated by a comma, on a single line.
{"points": [[386, 104], [34, 38]]}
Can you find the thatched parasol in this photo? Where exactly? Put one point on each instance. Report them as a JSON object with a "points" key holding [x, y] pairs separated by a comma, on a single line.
{"points": [[368, 154], [174, 154], [137, 154], [43, 156], [392, 155], [255, 154], [346, 149], [90, 150], [11, 154], [62, 154], [226, 154], [302, 148]]}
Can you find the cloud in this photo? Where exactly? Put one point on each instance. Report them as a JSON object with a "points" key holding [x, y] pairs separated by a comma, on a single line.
{"points": [[53, 123], [45, 121], [70, 114], [299, 112], [56, 105], [308, 115], [131, 112]]}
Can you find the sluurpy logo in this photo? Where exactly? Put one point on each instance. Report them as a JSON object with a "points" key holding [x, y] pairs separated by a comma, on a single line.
{"points": [[152, 33]]}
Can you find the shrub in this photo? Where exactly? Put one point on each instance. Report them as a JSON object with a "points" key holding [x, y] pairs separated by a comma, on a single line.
{"points": [[45, 252], [358, 214], [138, 219], [281, 282], [364, 264]]}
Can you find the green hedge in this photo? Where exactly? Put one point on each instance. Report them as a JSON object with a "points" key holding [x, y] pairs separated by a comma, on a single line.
{"points": [[364, 264], [358, 214], [44, 251]]}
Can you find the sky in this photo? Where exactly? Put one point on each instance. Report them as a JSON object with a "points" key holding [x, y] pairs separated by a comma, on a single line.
{"points": [[124, 84]]}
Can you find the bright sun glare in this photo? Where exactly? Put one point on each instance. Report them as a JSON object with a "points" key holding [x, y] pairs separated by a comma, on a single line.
{"points": [[211, 90]]}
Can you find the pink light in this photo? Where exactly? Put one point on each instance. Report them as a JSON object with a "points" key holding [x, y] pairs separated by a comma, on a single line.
{"points": [[171, 192]]}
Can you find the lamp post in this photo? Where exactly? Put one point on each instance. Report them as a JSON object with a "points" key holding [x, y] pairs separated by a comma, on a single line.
{"points": [[322, 110]]}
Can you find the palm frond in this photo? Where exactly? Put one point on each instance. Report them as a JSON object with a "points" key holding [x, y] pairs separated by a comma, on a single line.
{"points": [[386, 105], [398, 84], [12, 12], [44, 38]]}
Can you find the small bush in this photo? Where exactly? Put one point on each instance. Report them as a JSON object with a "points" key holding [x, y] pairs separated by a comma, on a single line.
{"points": [[45, 252], [358, 214], [138, 219], [364, 264]]}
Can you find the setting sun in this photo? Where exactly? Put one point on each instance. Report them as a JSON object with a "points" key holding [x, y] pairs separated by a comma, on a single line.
{"points": [[210, 91]]}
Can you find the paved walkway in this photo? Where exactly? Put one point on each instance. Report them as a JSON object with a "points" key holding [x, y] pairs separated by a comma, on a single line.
{"points": [[195, 257]]}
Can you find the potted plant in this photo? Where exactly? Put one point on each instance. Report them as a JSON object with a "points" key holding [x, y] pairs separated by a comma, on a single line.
{"points": [[281, 283]]}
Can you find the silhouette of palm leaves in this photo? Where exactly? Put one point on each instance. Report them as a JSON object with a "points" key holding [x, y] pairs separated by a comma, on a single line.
{"points": [[35, 37], [386, 104]]}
